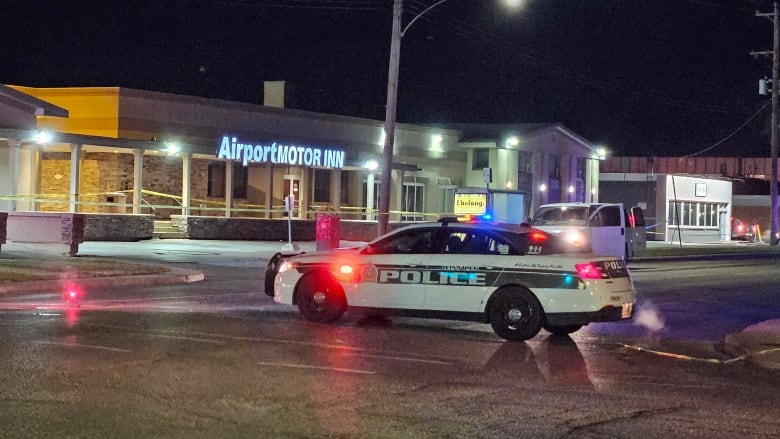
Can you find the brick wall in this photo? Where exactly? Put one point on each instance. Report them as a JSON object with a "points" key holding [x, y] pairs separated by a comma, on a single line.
{"points": [[107, 227], [105, 173], [255, 229]]}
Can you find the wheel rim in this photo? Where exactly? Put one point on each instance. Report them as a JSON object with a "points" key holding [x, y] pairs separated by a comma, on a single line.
{"points": [[514, 315], [517, 315], [319, 298]]}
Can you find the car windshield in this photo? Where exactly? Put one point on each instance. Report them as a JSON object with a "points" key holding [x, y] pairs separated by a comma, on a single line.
{"points": [[561, 216]]}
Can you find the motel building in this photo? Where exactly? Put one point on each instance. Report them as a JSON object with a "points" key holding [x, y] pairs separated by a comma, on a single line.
{"points": [[131, 161]]}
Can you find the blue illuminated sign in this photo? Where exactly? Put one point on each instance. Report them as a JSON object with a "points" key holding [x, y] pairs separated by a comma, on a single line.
{"points": [[275, 153]]}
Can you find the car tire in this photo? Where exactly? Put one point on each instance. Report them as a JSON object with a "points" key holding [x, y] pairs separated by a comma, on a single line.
{"points": [[515, 314], [320, 298], [270, 273], [562, 329]]}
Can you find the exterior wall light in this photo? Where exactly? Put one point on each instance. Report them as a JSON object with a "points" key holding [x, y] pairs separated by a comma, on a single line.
{"points": [[542, 187], [512, 141], [172, 147], [43, 137], [372, 165]]}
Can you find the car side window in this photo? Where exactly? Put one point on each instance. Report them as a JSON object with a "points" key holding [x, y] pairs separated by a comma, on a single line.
{"points": [[476, 242], [608, 216], [416, 241]]}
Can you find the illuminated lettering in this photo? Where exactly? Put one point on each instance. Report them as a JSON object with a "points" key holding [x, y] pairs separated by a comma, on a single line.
{"points": [[231, 149], [224, 149], [281, 154]]}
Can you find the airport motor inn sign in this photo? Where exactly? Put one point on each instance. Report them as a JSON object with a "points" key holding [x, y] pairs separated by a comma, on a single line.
{"points": [[231, 149]]}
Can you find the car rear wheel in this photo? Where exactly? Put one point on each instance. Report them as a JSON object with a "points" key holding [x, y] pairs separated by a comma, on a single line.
{"points": [[561, 330], [320, 298], [515, 314]]}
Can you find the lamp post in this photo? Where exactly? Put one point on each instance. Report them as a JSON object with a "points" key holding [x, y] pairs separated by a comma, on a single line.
{"points": [[390, 108]]}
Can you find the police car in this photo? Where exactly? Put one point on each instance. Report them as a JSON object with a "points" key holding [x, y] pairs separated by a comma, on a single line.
{"points": [[517, 279]]}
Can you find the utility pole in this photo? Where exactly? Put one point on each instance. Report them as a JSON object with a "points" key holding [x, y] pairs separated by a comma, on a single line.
{"points": [[775, 18], [392, 94]]}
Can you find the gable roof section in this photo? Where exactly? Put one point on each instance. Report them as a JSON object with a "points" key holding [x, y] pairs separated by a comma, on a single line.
{"points": [[492, 132]]}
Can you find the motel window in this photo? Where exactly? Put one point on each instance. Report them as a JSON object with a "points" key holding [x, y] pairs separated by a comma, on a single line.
{"points": [[524, 161], [240, 180], [414, 202], [321, 185], [216, 180], [692, 214], [554, 166], [481, 159]]}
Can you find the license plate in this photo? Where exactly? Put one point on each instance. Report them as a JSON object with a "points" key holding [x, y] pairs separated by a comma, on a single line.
{"points": [[628, 309]]}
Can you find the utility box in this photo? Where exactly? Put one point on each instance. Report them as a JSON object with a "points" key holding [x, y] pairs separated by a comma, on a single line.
{"points": [[327, 231]]}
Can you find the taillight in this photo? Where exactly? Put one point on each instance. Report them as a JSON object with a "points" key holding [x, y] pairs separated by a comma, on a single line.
{"points": [[538, 237], [589, 271], [346, 269]]}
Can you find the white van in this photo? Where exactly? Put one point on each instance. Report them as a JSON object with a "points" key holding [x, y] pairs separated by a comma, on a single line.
{"points": [[602, 228]]}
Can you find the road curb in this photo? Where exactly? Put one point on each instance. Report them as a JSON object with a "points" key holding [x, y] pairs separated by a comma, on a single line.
{"points": [[759, 348], [173, 276]]}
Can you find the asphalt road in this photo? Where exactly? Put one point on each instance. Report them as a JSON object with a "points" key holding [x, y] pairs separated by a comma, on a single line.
{"points": [[218, 358]]}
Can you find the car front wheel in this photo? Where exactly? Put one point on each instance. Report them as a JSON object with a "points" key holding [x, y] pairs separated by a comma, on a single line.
{"points": [[515, 314], [320, 298]]}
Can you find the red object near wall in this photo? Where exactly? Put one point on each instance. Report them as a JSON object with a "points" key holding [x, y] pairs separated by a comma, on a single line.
{"points": [[327, 231]]}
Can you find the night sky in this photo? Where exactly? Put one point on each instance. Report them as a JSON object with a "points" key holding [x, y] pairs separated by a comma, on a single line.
{"points": [[643, 77]]}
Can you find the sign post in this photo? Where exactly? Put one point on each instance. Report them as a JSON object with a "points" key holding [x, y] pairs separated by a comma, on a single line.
{"points": [[289, 204]]}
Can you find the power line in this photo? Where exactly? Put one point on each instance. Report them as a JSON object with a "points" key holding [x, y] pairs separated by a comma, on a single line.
{"points": [[763, 107]]}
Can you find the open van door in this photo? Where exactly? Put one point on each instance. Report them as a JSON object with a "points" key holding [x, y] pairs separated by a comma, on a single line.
{"points": [[637, 234], [608, 230]]}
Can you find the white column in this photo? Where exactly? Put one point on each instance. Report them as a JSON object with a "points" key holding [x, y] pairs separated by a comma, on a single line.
{"points": [[75, 177], [269, 194], [38, 177], [304, 189], [335, 189], [370, 197], [186, 181], [228, 187], [138, 176], [14, 147]]}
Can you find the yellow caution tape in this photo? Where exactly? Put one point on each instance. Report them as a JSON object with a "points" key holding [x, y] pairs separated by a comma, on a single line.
{"points": [[685, 357]]}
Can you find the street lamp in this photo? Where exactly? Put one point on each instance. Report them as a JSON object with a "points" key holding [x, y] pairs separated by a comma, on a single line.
{"points": [[390, 108]]}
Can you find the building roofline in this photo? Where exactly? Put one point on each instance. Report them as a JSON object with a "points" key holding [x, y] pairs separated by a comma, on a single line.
{"points": [[39, 106]]}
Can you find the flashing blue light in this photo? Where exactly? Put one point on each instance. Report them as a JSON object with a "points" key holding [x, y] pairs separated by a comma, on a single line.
{"points": [[487, 217]]}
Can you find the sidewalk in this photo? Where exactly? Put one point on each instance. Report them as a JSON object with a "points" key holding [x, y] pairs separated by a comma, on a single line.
{"points": [[758, 344]]}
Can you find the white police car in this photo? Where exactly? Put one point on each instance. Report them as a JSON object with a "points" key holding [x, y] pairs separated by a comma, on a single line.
{"points": [[515, 278]]}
